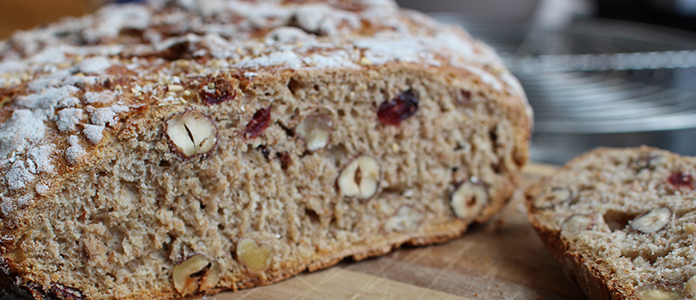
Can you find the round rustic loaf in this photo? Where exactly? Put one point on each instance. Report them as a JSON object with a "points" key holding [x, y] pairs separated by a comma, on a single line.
{"points": [[621, 222], [180, 148]]}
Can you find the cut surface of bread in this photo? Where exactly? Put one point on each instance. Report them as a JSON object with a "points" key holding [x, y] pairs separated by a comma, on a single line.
{"points": [[622, 222], [181, 148]]}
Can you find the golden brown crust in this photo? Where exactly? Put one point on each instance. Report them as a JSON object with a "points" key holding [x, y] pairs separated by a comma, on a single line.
{"points": [[113, 92], [131, 125], [600, 277]]}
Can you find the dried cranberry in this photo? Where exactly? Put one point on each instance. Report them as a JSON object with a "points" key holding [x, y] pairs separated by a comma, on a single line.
{"points": [[464, 98], [285, 160], [681, 180], [401, 108], [223, 92], [258, 124]]}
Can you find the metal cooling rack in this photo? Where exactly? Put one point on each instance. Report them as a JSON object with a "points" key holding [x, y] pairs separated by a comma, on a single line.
{"points": [[597, 76]]}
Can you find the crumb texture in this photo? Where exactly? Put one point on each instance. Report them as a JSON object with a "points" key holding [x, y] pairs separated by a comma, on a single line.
{"points": [[624, 219], [181, 148]]}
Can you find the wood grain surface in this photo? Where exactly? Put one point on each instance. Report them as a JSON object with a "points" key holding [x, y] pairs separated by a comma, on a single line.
{"points": [[502, 259]]}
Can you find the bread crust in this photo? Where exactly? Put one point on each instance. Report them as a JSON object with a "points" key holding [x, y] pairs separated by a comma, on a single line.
{"points": [[101, 94], [590, 272]]}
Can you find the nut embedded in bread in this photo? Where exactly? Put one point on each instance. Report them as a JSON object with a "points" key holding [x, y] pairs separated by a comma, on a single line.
{"points": [[621, 222], [180, 148]]}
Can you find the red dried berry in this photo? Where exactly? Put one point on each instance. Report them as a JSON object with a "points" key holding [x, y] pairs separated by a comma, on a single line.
{"points": [[258, 123], [285, 160], [223, 92], [681, 180], [401, 108], [464, 98]]}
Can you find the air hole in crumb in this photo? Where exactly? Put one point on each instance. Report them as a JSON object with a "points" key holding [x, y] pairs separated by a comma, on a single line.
{"points": [[316, 87], [493, 135], [221, 227], [617, 220], [132, 33], [264, 151], [395, 189], [354, 113], [498, 168], [165, 164], [288, 131], [312, 215], [294, 85]]}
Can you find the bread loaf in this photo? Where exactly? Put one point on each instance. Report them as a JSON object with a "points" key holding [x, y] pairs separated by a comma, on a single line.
{"points": [[621, 222], [181, 148]]}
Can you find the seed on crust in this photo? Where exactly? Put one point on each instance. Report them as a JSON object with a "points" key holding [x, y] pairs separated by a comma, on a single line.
{"points": [[399, 109], [360, 178], [191, 133], [653, 221], [196, 273], [255, 257], [316, 131], [258, 123], [468, 200]]}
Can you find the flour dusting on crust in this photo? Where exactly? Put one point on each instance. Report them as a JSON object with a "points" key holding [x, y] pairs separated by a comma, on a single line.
{"points": [[77, 78]]}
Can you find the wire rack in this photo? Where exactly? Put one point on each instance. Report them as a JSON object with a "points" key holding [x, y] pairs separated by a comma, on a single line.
{"points": [[597, 76]]}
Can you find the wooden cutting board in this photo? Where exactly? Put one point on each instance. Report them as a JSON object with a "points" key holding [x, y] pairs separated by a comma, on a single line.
{"points": [[503, 259]]}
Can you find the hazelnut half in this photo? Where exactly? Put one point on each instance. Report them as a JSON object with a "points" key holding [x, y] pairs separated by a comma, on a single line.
{"points": [[690, 288], [316, 131], [187, 275], [656, 292], [360, 178], [191, 133], [468, 200], [255, 257], [653, 221], [405, 219], [577, 224], [552, 198]]}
